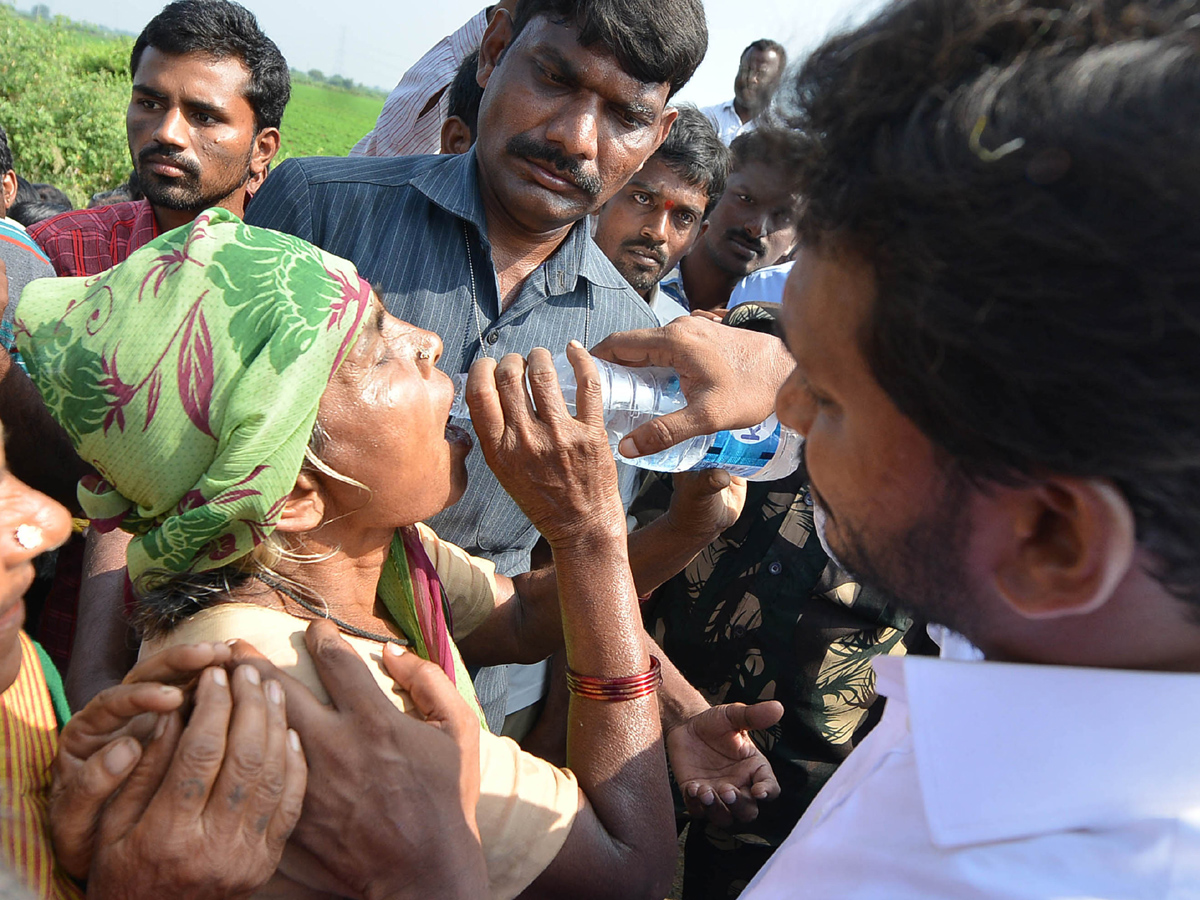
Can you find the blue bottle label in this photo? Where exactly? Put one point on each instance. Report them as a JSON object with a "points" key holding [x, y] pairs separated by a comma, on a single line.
{"points": [[745, 451]]}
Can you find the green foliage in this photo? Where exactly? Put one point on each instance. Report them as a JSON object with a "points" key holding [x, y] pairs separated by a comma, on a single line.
{"points": [[63, 93], [316, 76]]}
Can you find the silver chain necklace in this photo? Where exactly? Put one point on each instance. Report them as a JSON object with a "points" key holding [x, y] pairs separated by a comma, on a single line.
{"points": [[587, 318]]}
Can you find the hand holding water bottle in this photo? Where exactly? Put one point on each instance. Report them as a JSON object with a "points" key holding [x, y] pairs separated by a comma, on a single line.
{"points": [[555, 461], [728, 376], [632, 397]]}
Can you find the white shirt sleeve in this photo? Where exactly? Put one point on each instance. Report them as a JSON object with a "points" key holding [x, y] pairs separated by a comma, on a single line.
{"points": [[411, 123]]}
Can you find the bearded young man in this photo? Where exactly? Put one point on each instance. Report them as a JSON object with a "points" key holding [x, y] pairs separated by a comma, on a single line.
{"points": [[209, 90]]}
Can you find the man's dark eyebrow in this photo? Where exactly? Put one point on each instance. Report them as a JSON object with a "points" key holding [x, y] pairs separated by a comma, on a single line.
{"points": [[566, 69], [643, 187], [198, 105], [639, 110], [203, 107]]}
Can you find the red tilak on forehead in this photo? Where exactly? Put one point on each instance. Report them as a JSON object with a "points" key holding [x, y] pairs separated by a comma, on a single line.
{"points": [[668, 204]]}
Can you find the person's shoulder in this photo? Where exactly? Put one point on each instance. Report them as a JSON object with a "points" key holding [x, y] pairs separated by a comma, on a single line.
{"points": [[16, 243], [96, 220], [717, 109], [378, 171], [610, 287]]}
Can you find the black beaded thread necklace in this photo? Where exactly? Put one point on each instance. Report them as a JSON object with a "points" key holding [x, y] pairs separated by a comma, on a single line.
{"points": [[325, 614], [587, 315]]}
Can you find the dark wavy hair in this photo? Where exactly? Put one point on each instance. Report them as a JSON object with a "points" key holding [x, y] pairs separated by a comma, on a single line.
{"points": [[694, 152], [766, 45], [6, 160], [1023, 178], [786, 150], [655, 41], [223, 30]]}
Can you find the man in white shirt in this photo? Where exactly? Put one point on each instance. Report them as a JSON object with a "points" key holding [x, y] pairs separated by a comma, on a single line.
{"points": [[759, 72], [994, 318]]}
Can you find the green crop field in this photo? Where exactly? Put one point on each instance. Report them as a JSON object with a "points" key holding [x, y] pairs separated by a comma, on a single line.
{"points": [[325, 121], [63, 92]]}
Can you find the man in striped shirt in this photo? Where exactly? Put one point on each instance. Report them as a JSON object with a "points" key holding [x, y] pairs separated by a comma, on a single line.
{"points": [[490, 249]]}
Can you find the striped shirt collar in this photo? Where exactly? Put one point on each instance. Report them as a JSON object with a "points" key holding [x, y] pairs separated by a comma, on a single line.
{"points": [[454, 186]]}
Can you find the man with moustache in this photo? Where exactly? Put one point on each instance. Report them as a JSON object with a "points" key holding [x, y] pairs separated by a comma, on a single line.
{"points": [[209, 90], [656, 218], [490, 249], [752, 227]]}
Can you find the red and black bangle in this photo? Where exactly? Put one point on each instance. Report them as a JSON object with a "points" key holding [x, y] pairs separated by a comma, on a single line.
{"points": [[615, 690]]}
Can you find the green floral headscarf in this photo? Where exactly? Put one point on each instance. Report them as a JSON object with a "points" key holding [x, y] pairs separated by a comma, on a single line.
{"points": [[205, 450]]}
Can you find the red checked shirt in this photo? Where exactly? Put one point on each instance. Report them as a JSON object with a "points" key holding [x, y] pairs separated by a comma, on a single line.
{"points": [[88, 241]]}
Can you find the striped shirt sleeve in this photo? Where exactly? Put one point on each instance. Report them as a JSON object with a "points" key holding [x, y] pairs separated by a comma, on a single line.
{"points": [[401, 129]]}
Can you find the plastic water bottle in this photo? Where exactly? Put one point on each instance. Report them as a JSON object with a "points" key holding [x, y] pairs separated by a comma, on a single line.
{"points": [[632, 396]]}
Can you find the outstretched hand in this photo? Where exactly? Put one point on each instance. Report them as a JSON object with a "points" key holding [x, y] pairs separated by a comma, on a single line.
{"points": [[729, 376], [721, 773], [101, 744]]}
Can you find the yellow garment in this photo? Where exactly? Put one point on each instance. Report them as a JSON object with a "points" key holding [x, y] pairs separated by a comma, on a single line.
{"points": [[29, 735], [526, 805]]}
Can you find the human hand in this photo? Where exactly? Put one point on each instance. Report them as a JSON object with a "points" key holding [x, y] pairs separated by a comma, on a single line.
{"points": [[117, 721], [557, 467], [207, 811], [729, 376], [721, 773], [706, 502], [413, 833]]}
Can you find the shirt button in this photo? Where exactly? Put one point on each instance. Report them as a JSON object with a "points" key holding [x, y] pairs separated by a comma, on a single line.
{"points": [[775, 568], [739, 631], [493, 337]]}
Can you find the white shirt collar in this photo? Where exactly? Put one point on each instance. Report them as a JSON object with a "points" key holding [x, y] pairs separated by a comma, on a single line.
{"points": [[1006, 751]]}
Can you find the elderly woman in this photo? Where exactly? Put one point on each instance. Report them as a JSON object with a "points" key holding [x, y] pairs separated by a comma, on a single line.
{"points": [[148, 842], [272, 437]]}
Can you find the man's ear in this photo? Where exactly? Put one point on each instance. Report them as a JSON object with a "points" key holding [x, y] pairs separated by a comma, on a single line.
{"points": [[8, 187], [305, 507], [266, 145], [456, 136], [1073, 541], [496, 39], [670, 114]]}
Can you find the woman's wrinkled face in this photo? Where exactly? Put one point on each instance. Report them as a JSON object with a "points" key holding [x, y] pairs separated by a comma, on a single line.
{"points": [[30, 523], [386, 412]]}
